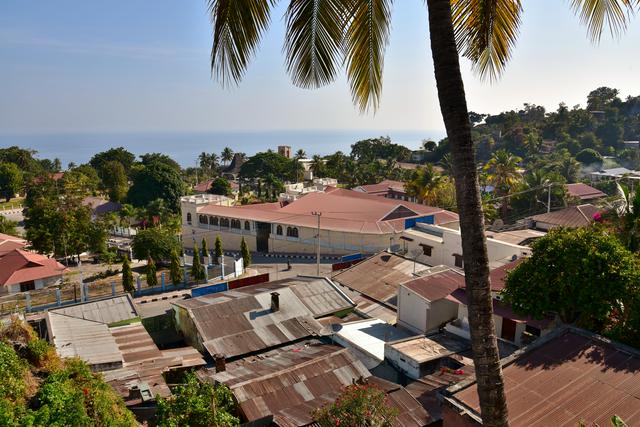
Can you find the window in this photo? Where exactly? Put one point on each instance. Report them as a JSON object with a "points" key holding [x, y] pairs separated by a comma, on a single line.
{"points": [[292, 232], [213, 220], [235, 223], [202, 219], [247, 225], [426, 249], [189, 218], [27, 286], [224, 222], [279, 230], [458, 260]]}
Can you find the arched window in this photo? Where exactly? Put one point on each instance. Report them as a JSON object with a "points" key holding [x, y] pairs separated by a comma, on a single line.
{"points": [[247, 225], [292, 232], [224, 222], [213, 220], [279, 230], [202, 219], [235, 223], [189, 218]]}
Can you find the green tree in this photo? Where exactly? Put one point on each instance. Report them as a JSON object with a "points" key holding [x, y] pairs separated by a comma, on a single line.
{"points": [[151, 158], [127, 276], [426, 185], [114, 180], [502, 173], [152, 278], [244, 251], [355, 35], [218, 249], [205, 251], [175, 272], [227, 155], [155, 242], [120, 155], [220, 186], [197, 404], [359, 405], [7, 226], [583, 275], [318, 167], [589, 156], [156, 181], [23, 158], [11, 180], [197, 269]]}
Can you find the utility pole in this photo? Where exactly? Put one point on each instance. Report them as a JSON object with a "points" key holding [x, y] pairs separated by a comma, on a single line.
{"points": [[549, 197], [318, 214]]}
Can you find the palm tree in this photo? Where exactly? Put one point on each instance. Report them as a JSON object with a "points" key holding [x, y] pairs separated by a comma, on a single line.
{"points": [[426, 185], [204, 161], [447, 164], [299, 169], [502, 170], [318, 167], [213, 161], [322, 36], [300, 154], [226, 155]]}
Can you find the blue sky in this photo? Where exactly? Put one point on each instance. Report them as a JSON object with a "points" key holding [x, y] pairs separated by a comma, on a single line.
{"points": [[140, 66]]}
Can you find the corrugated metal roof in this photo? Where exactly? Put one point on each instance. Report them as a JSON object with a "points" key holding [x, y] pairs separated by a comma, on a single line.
{"points": [[436, 286], [570, 376], [573, 216], [425, 348], [291, 382], [584, 191], [379, 276], [109, 310], [238, 322], [91, 341]]}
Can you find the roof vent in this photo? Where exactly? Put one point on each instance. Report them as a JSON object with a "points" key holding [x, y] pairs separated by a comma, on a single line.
{"points": [[275, 301]]}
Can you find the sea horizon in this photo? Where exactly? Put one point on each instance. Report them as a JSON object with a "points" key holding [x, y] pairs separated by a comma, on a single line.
{"points": [[184, 147]]}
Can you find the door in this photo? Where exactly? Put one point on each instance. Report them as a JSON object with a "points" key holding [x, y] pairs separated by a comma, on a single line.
{"points": [[508, 329], [263, 231]]}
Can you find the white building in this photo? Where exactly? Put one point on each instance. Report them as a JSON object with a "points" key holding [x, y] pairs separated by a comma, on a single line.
{"points": [[438, 245]]}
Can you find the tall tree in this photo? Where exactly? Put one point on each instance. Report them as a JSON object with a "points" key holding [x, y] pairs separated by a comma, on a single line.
{"points": [[152, 279], [502, 173], [175, 273], [322, 36], [156, 181], [226, 155], [124, 157], [218, 249], [205, 252], [11, 180], [244, 251], [426, 185], [197, 270], [127, 276], [114, 180]]}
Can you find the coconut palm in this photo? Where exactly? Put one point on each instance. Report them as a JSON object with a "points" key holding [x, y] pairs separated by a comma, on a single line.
{"points": [[502, 173], [318, 167], [226, 155], [426, 185], [300, 154], [322, 36], [299, 168]]}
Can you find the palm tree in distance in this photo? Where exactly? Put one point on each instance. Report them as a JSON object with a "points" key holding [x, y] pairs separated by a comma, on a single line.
{"points": [[323, 36], [300, 154], [426, 184], [299, 169], [226, 155], [502, 173]]}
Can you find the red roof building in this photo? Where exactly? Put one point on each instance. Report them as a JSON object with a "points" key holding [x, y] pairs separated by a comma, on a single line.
{"points": [[584, 191], [9, 243], [388, 188], [573, 216], [22, 271]]}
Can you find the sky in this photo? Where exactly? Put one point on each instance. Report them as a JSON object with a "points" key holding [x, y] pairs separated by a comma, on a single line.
{"points": [[73, 66]]}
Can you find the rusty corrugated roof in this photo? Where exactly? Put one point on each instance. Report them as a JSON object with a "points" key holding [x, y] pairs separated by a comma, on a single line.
{"points": [[291, 382], [567, 377], [573, 216]]}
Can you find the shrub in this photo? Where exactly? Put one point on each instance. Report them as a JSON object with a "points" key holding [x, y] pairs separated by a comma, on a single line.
{"points": [[359, 405]]}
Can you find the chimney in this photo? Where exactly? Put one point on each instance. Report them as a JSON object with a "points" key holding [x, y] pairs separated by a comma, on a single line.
{"points": [[275, 301], [220, 363]]}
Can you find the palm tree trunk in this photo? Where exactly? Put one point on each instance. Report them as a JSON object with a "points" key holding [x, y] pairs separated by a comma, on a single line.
{"points": [[453, 105]]}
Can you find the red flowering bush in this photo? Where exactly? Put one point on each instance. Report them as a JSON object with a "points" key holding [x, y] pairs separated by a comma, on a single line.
{"points": [[359, 405]]}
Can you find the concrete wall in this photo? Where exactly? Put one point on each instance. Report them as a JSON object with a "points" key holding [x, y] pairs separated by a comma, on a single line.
{"points": [[187, 328], [39, 284], [421, 316], [446, 242], [402, 362]]}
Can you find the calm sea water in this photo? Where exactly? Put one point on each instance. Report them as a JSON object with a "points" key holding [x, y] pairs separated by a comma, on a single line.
{"points": [[185, 147]]}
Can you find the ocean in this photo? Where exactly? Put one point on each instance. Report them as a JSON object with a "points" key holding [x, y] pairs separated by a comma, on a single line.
{"points": [[184, 147]]}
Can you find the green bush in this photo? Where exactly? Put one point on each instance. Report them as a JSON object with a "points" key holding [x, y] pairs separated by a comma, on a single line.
{"points": [[13, 371]]}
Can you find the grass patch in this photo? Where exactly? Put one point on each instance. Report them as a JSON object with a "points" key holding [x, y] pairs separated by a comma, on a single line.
{"points": [[124, 322]]}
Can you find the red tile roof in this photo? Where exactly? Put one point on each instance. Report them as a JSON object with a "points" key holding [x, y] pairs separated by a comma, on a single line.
{"points": [[584, 191], [573, 216], [383, 187], [9, 243], [436, 286], [342, 210], [19, 266], [567, 377]]}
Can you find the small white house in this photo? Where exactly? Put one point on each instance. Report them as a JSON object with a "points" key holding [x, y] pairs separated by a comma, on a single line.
{"points": [[438, 245]]}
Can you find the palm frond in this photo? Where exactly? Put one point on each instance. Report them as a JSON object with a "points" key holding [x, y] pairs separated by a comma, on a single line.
{"points": [[237, 29], [596, 14], [366, 40], [314, 40], [486, 32]]}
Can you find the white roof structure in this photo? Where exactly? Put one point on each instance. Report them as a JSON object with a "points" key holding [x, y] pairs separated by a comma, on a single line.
{"points": [[105, 311]]}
